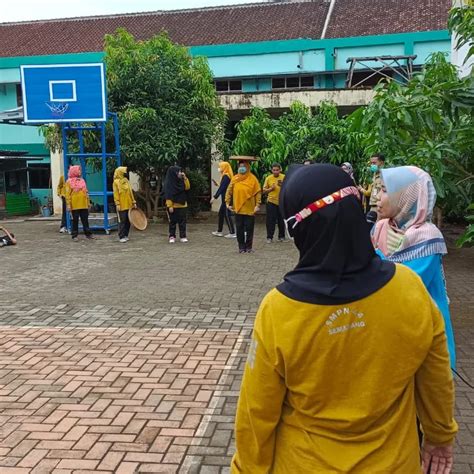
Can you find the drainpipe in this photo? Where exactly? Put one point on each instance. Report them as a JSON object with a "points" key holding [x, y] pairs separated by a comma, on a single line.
{"points": [[328, 18]]}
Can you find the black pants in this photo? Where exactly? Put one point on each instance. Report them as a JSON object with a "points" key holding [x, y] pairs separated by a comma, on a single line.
{"points": [[178, 216], [63, 215], [244, 225], [224, 213], [84, 215], [124, 224], [273, 217]]}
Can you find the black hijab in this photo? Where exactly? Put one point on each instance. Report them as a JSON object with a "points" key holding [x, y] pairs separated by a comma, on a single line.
{"points": [[337, 262], [174, 186]]}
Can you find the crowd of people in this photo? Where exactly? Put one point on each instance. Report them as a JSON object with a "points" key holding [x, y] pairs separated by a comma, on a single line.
{"points": [[351, 359]]}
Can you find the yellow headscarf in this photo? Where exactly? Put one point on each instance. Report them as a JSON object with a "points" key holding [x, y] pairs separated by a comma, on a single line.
{"points": [[122, 182], [246, 186], [226, 169]]}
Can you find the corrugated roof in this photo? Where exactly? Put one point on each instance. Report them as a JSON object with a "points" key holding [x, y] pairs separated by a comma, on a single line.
{"points": [[230, 24]]}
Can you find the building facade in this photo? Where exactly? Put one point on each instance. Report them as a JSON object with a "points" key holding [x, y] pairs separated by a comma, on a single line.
{"points": [[264, 54]]}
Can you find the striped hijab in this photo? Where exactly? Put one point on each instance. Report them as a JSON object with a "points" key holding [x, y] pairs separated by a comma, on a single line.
{"points": [[410, 234]]}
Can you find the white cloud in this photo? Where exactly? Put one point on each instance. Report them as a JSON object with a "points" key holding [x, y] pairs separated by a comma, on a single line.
{"points": [[20, 10]]}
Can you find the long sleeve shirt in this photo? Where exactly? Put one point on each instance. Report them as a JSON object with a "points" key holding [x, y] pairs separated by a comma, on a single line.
{"points": [[336, 389], [222, 189]]}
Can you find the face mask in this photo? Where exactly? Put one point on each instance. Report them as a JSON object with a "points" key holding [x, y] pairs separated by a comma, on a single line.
{"points": [[373, 168], [242, 170]]}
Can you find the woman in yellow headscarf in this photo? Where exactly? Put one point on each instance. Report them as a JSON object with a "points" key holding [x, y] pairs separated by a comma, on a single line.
{"points": [[124, 201], [243, 197], [61, 192], [227, 174]]}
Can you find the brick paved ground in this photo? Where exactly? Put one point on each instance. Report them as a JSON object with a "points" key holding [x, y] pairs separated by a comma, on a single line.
{"points": [[128, 358]]}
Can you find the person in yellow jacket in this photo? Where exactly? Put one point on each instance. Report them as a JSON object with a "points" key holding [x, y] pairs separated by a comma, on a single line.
{"points": [[175, 186], [336, 373], [77, 201], [272, 188], [243, 197], [124, 201], [61, 192]]}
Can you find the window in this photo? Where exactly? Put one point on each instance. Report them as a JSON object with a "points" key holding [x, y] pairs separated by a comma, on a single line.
{"points": [[292, 82], [19, 96], [39, 175], [228, 86]]}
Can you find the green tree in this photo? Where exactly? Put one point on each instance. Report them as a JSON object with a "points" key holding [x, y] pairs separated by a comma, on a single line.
{"points": [[167, 106], [429, 122], [461, 22]]}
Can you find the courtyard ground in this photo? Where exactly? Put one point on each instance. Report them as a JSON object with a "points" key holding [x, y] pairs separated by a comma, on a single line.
{"points": [[128, 358]]}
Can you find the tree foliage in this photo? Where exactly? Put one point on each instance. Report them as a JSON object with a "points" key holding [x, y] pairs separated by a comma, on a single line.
{"points": [[461, 22], [167, 105]]}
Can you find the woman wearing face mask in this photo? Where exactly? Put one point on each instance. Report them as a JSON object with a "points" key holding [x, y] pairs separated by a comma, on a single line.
{"points": [[243, 197], [224, 214], [176, 185], [405, 234], [336, 373]]}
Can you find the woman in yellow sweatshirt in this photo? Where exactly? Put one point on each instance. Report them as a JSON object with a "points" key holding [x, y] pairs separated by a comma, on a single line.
{"points": [[243, 197], [176, 184], [77, 201], [345, 353], [124, 201], [61, 192]]}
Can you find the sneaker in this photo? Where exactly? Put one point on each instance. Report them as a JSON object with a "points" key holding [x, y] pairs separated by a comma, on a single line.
{"points": [[62, 230], [269, 241], [172, 240], [126, 238], [230, 236], [184, 240], [75, 239], [217, 233], [282, 239], [123, 241], [250, 251], [90, 237], [242, 251]]}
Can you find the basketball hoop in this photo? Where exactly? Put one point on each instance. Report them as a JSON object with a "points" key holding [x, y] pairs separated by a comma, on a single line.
{"points": [[58, 109]]}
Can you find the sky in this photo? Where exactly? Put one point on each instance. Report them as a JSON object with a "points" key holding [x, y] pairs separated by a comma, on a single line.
{"points": [[21, 10]]}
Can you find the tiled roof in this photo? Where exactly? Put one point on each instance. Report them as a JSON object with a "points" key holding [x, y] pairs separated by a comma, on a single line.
{"points": [[375, 17], [231, 24]]}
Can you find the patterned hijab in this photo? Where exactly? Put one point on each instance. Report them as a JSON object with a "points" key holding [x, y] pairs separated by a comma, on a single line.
{"points": [[75, 180], [410, 233]]}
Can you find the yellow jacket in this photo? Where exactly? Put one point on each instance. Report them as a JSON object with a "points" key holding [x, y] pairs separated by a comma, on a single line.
{"points": [[248, 208], [123, 193], [176, 205], [61, 189], [76, 199], [336, 389]]}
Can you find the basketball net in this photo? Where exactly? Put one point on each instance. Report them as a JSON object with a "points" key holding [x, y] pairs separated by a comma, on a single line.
{"points": [[58, 109]]}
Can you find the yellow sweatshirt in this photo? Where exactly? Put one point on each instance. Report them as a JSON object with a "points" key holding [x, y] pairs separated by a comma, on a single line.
{"points": [[248, 208], [336, 389], [76, 199], [170, 203], [123, 195], [61, 189]]}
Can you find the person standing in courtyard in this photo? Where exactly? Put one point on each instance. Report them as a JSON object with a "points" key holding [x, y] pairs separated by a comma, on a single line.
{"points": [[124, 201], [377, 162], [77, 201], [405, 234], [243, 197], [224, 214], [61, 192], [272, 187], [336, 373], [176, 184]]}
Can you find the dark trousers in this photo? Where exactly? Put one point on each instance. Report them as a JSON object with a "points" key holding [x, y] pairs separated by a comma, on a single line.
{"points": [[124, 224], [273, 217], [245, 226], [84, 215], [178, 216], [63, 215], [224, 214]]}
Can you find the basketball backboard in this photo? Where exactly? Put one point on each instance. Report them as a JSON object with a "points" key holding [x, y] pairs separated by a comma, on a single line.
{"points": [[64, 93]]}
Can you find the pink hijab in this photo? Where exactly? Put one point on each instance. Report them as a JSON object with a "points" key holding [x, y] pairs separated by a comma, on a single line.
{"points": [[75, 180], [411, 191]]}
